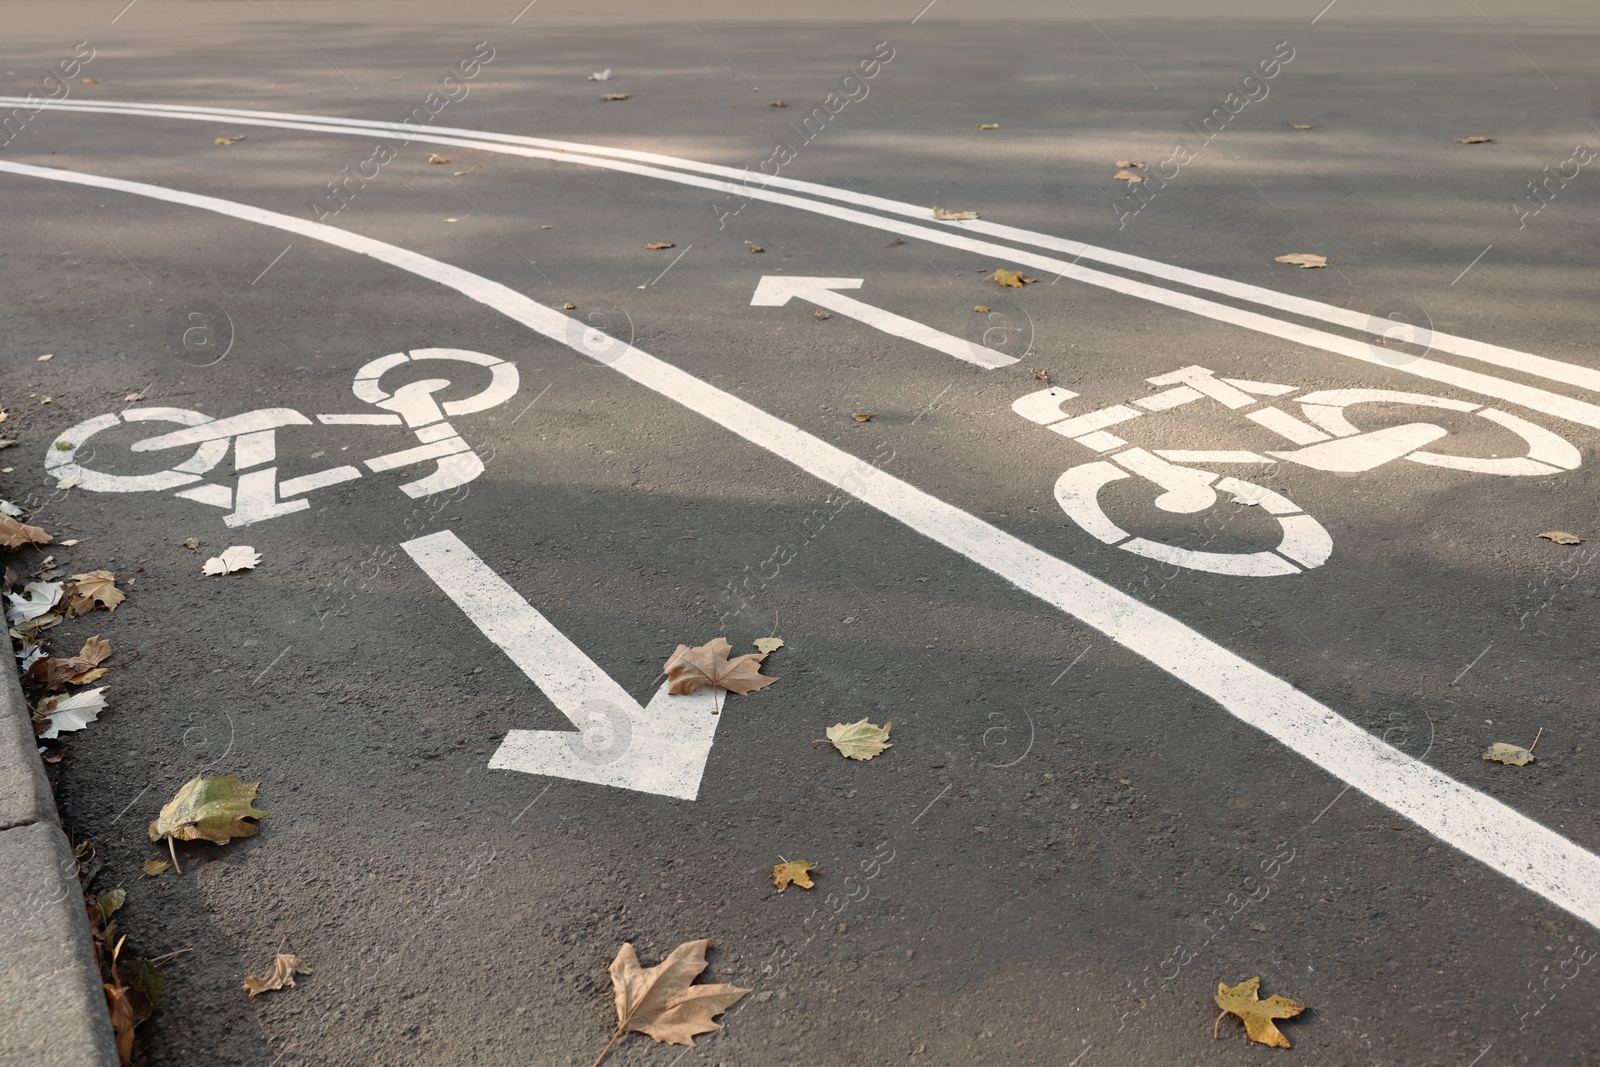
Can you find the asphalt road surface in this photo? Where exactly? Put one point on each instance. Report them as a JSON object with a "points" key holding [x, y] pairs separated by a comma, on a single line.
{"points": [[1190, 691]]}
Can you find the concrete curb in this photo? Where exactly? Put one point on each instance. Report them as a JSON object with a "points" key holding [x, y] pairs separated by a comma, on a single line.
{"points": [[52, 1007]]}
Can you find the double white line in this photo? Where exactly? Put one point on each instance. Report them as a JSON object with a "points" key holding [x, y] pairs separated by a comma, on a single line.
{"points": [[888, 215], [1523, 850]]}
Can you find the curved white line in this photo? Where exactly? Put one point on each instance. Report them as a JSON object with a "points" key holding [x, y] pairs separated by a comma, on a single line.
{"points": [[949, 234], [1484, 828]]}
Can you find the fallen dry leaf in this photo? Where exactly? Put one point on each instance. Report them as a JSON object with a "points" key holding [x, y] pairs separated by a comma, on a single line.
{"points": [[453, 220], [757, 248], [7, 442], [980, 308], [133, 398], [777, 103], [819, 314], [1130, 164], [988, 125], [70, 482], [598, 76], [88, 81], [85, 592], [70, 543], [862, 416], [953, 216], [128, 1009], [47, 355], [768, 645], [796, 871], [663, 1002], [655, 246], [1011, 279], [569, 307], [434, 157], [613, 96], [191, 543], [228, 140], [1474, 140], [1127, 176], [692, 669], [64, 714], [859, 740], [1504, 752], [1561, 538], [1257, 1014], [1305, 260], [153, 868], [14, 534], [211, 809], [53, 672], [233, 558], [35, 600], [284, 968], [1301, 126]]}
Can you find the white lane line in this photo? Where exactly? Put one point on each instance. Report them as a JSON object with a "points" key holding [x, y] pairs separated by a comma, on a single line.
{"points": [[776, 290], [1495, 834], [1509, 358]]}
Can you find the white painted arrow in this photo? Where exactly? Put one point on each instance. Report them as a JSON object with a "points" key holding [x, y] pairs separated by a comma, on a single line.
{"points": [[775, 290], [661, 748]]}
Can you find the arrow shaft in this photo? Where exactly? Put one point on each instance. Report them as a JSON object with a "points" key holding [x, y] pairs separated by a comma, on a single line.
{"points": [[554, 664], [900, 326]]}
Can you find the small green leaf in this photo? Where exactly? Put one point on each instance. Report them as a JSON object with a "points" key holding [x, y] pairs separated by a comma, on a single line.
{"points": [[213, 809]]}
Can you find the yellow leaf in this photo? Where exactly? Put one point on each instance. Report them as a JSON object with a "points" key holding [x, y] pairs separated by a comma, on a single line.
{"points": [[953, 216], [191, 543], [662, 1001], [860, 740], [1561, 538], [693, 669], [229, 140], [1503, 752], [1257, 1014], [796, 871], [284, 968], [988, 125], [152, 868], [1011, 279], [980, 308], [210, 809], [862, 416], [1305, 260], [768, 645], [434, 157], [1128, 176]]}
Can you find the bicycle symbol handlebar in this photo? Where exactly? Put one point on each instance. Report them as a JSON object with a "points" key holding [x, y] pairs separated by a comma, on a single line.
{"points": [[253, 437]]}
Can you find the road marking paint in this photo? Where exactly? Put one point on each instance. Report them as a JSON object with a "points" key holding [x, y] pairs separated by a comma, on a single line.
{"points": [[775, 290], [1492, 832], [1509, 358], [658, 749]]}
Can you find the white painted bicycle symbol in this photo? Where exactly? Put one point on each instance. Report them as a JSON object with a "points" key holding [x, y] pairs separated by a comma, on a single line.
{"points": [[1326, 440], [258, 494]]}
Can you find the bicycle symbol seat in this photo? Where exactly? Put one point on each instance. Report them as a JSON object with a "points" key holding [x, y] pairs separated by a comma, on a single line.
{"points": [[253, 437]]}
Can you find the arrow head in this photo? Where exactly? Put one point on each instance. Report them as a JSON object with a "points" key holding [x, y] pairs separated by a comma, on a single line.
{"points": [[775, 290], [659, 749]]}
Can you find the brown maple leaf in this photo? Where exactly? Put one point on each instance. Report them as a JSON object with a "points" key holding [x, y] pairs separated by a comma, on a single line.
{"points": [[53, 672], [692, 669], [87, 591], [1257, 1014], [14, 534], [663, 1002], [284, 968]]}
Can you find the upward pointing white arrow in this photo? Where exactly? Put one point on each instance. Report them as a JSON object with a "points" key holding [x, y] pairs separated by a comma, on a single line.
{"points": [[775, 290], [658, 749]]}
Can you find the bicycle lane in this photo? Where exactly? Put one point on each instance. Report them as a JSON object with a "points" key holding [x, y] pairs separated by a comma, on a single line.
{"points": [[1489, 831]]}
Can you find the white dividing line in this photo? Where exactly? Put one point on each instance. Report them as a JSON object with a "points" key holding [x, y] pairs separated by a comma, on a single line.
{"points": [[736, 183], [1484, 828], [776, 290]]}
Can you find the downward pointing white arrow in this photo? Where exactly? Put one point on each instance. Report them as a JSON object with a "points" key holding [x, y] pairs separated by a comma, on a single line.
{"points": [[658, 749], [775, 290]]}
